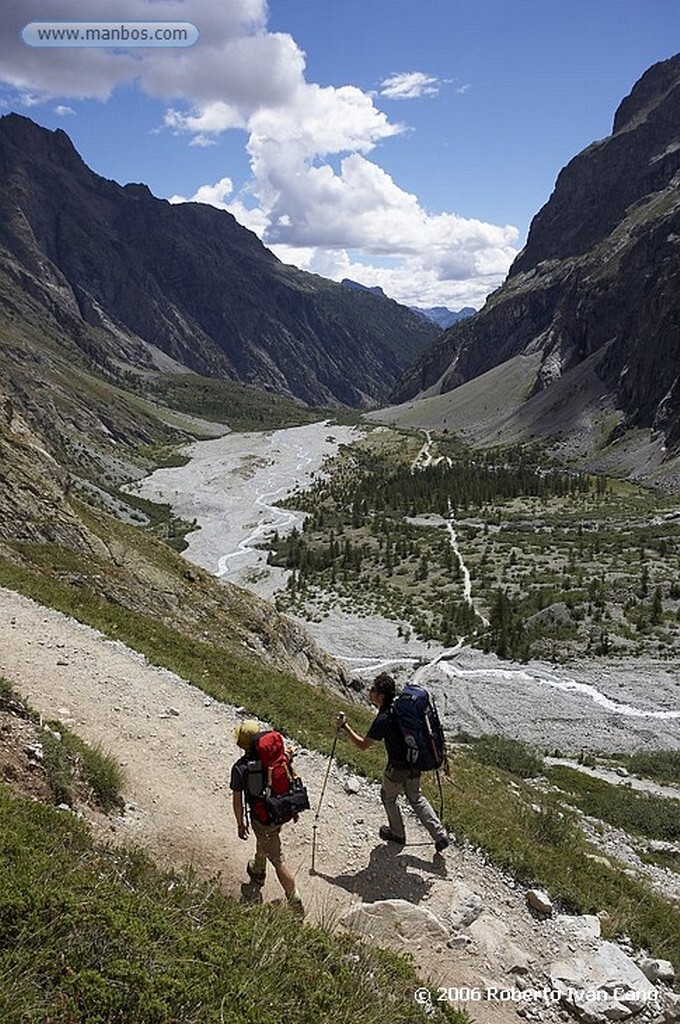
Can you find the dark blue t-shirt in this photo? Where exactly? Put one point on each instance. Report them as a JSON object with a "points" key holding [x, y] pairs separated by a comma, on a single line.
{"points": [[239, 773], [385, 727]]}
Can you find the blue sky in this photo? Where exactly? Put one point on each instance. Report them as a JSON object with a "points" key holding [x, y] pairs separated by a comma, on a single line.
{"points": [[405, 143]]}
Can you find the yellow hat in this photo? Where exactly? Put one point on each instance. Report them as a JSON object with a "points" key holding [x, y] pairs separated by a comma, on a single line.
{"points": [[245, 732]]}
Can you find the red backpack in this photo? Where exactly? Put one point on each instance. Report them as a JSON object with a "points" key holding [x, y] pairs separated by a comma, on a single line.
{"points": [[276, 793]]}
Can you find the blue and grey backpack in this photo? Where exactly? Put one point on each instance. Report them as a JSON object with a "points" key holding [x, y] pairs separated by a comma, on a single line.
{"points": [[417, 716]]}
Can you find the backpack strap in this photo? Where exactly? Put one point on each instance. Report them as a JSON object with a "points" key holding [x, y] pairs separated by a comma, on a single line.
{"points": [[290, 771]]}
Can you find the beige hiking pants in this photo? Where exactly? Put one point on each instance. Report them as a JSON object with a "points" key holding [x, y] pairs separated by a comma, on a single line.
{"points": [[405, 780]]}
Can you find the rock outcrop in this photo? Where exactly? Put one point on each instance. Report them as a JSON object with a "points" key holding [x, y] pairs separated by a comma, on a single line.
{"points": [[596, 289]]}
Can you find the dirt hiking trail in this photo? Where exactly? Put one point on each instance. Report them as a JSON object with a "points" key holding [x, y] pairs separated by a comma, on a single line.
{"points": [[176, 747]]}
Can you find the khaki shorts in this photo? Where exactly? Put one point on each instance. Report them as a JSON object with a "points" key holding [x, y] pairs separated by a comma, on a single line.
{"points": [[268, 842]]}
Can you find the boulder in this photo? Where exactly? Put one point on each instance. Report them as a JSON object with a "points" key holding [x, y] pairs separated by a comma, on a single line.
{"points": [[603, 985], [494, 936], [394, 919], [466, 906], [539, 900], [658, 970]]}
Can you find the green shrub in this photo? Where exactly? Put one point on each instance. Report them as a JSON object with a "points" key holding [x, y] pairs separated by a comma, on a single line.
{"points": [[100, 772], [59, 769], [651, 816], [663, 765], [6, 689], [510, 755]]}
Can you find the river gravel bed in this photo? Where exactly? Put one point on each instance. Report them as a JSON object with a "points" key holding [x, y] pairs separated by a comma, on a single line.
{"points": [[229, 487]]}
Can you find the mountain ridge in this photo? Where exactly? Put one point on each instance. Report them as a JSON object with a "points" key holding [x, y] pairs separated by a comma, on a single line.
{"points": [[188, 280], [442, 316], [597, 280]]}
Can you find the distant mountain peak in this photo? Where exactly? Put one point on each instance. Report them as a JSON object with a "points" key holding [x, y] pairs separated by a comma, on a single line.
{"points": [[357, 287], [442, 316]]}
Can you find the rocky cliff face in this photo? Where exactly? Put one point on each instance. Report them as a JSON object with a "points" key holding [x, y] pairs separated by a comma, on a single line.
{"points": [[599, 277], [188, 280]]}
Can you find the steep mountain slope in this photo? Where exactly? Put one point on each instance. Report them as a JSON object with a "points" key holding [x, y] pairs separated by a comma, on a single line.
{"points": [[594, 294], [186, 280]]}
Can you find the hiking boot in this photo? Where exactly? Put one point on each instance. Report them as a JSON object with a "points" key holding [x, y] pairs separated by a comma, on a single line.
{"points": [[257, 877], [391, 837], [442, 844], [295, 905]]}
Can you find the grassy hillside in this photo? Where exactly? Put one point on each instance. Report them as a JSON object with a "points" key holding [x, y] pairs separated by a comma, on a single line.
{"points": [[97, 936]]}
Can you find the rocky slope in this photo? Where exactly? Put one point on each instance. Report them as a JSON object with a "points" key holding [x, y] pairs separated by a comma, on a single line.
{"points": [[132, 279], [594, 294]]}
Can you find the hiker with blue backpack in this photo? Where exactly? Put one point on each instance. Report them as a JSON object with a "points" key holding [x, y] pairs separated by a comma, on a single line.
{"points": [[410, 728]]}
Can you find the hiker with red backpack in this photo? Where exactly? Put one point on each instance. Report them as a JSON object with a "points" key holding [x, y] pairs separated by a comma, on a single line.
{"points": [[266, 793], [414, 740]]}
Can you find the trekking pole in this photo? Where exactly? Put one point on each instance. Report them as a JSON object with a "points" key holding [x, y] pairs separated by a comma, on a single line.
{"points": [[441, 795], [318, 808]]}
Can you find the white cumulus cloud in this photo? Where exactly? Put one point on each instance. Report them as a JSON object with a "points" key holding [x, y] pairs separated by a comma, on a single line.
{"points": [[213, 195], [227, 28], [409, 85], [317, 194]]}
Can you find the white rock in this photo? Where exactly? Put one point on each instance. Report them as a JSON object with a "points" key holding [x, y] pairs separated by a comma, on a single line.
{"points": [[352, 784], [671, 1007], [661, 846], [466, 906], [516, 960], [657, 970], [597, 859], [539, 900], [394, 919], [603, 985]]}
